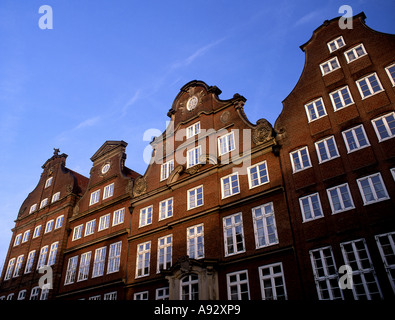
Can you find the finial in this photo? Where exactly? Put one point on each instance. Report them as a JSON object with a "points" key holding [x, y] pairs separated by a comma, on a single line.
{"points": [[56, 152]]}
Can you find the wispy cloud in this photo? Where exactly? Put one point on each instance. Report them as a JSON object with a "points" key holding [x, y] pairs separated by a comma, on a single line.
{"points": [[87, 123], [311, 16], [131, 101]]}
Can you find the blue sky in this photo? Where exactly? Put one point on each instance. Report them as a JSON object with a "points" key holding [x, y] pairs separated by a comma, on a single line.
{"points": [[110, 70]]}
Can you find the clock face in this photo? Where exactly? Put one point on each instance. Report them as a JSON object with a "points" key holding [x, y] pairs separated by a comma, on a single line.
{"points": [[105, 168], [192, 102]]}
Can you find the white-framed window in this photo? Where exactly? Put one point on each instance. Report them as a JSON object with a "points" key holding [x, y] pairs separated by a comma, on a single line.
{"points": [[386, 245], [372, 189], [166, 169], [341, 98], [42, 257], [237, 283], [26, 235], [83, 271], [355, 138], [340, 198], [10, 268], [365, 284], [77, 233], [166, 209], [230, 185], [59, 222], [108, 191], [272, 282], [30, 261], [21, 295], [43, 203], [226, 143], [56, 197], [325, 274], [385, 126], [315, 109], [233, 234], [145, 216], [18, 239], [34, 293], [37, 231], [95, 197], [355, 53], [310, 207], [391, 73], [18, 266], [110, 296], [162, 293], [33, 208], [104, 222], [369, 85], [52, 253], [97, 297], [300, 159], [264, 225], [44, 294], [189, 286], [329, 66], [195, 197], [258, 174], [143, 259], [48, 182], [90, 227], [195, 241], [165, 248], [49, 226], [336, 44], [141, 295], [193, 130], [393, 172], [114, 257], [118, 216], [193, 156], [98, 263], [326, 149]]}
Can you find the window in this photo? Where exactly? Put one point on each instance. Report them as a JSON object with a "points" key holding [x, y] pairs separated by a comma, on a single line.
{"points": [[44, 293], [190, 287], [300, 159], [355, 53], [21, 295], [83, 272], [52, 253], [372, 189], [226, 143], [355, 138], [49, 226], [233, 234], [311, 207], [193, 130], [258, 174], [10, 267], [37, 231], [193, 156], [386, 245], [145, 216], [385, 126], [264, 225], [272, 282], [393, 172], [104, 222], [315, 109], [33, 208], [340, 198], [97, 297], [195, 241], [329, 66], [98, 263], [325, 275], [108, 191], [365, 284], [48, 182], [391, 73], [29, 262], [34, 293], [162, 294], [59, 222], [71, 270], [56, 197], [95, 196], [26, 235], [118, 217], [237, 283], [17, 240], [110, 296], [336, 44], [90, 227], [141, 295], [43, 203], [230, 185], [326, 149], [164, 253], [18, 266], [114, 257], [42, 257], [77, 233], [143, 259], [195, 197], [166, 169], [166, 209], [369, 85], [341, 98]]}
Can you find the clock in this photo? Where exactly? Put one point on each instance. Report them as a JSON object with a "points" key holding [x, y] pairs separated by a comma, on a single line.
{"points": [[105, 168], [192, 103]]}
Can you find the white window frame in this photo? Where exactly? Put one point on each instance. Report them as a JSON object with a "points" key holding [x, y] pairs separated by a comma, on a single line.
{"points": [[118, 217], [30, 261], [336, 44], [164, 253], [104, 222], [261, 174], [265, 229], [226, 143], [228, 188], [331, 68], [313, 109], [18, 266], [59, 222], [355, 139], [90, 227], [114, 257], [43, 203], [108, 191], [42, 257], [55, 197], [390, 74], [372, 189], [310, 204], [193, 130], [193, 197], [195, 241], [110, 296], [48, 182], [34, 293], [33, 208], [21, 295], [299, 154], [341, 96], [166, 208], [99, 262], [272, 275], [188, 286], [37, 231], [387, 128], [238, 283], [193, 156], [10, 268], [162, 293], [49, 226], [353, 50], [95, 197], [387, 252], [166, 169], [52, 253], [368, 82], [324, 143], [143, 295], [18, 239], [26, 235], [340, 190], [145, 216], [71, 270], [236, 231], [83, 272], [393, 172], [143, 259], [77, 232]]}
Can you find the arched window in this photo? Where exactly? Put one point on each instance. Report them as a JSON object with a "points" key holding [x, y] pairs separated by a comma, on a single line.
{"points": [[190, 287]]}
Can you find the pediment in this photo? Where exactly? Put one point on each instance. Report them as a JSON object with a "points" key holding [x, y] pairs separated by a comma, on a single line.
{"points": [[107, 147]]}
